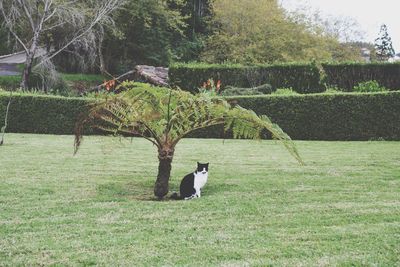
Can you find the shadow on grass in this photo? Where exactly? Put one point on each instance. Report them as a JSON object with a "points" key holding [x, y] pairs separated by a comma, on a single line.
{"points": [[143, 191], [121, 192]]}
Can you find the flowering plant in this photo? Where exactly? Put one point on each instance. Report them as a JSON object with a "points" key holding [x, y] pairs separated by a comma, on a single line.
{"points": [[210, 87], [110, 85]]}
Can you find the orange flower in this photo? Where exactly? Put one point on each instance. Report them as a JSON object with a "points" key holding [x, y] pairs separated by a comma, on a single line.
{"points": [[109, 84], [218, 85]]}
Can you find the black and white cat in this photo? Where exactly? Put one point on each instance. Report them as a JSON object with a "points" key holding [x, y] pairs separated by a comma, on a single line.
{"points": [[192, 183]]}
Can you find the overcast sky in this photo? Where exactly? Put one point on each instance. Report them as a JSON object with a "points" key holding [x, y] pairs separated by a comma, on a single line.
{"points": [[370, 14]]}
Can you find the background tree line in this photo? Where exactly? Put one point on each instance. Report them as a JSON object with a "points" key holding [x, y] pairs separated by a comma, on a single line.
{"points": [[159, 32]]}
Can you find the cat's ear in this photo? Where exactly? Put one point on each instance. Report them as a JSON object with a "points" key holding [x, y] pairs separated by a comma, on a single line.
{"points": [[198, 163]]}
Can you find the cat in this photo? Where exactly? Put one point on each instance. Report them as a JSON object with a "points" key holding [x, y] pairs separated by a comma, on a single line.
{"points": [[192, 183]]}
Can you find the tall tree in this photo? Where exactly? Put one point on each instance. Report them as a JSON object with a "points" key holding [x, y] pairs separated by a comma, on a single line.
{"points": [[260, 31], [383, 45], [29, 21], [147, 32], [165, 116]]}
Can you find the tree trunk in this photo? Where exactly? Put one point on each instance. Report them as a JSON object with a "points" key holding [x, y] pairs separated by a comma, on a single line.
{"points": [[27, 71], [161, 186]]}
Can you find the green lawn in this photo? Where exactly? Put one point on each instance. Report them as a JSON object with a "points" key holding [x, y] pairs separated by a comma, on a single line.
{"points": [[259, 207]]}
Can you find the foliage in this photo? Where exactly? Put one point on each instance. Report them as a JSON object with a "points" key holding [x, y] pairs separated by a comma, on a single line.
{"points": [[158, 32], [146, 33], [38, 113], [10, 82], [165, 116], [348, 75], [210, 87], [285, 91], [54, 27], [369, 86], [304, 78], [345, 116], [274, 36], [332, 90], [328, 116], [67, 84], [258, 90], [383, 45]]}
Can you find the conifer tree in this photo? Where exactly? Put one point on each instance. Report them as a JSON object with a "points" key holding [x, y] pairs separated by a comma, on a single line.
{"points": [[383, 45]]}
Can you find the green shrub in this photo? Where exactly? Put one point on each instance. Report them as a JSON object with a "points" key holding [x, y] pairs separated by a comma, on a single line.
{"points": [[370, 86], [350, 116], [32, 113], [10, 82], [285, 91], [348, 75], [304, 78], [333, 90], [258, 90]]}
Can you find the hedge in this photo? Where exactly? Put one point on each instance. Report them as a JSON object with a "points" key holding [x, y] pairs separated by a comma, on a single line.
{"points": [[41, 114], [347, 116], [303, 78], [347, 75], [343, 116]]}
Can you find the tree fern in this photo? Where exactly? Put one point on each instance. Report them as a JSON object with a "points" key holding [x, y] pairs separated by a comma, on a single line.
{"points": [[164, 116]]}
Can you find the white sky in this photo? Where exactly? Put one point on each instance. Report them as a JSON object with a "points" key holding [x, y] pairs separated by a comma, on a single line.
{"points": [[370, 14]]}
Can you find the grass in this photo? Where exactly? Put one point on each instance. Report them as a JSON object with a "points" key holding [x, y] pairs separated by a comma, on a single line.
{"points": [[259, 207]]}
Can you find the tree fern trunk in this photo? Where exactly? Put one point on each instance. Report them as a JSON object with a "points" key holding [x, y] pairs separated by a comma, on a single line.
{"points": [[161, 186]]}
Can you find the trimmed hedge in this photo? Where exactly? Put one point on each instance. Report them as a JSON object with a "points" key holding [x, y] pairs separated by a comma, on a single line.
{"points": [[347, 75], [348, 116], [41, 114], [303, 78]]}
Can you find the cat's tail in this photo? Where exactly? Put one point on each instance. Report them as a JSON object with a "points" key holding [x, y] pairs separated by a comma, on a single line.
{"points": [[175, 196]]}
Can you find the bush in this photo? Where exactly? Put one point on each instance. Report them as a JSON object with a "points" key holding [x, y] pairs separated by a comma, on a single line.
{"points": [[31, 113], [304, 78], [258, 90], [370, 86], [348, 75], [351, 116], [66, 85], [10, 82], [285, 91]]}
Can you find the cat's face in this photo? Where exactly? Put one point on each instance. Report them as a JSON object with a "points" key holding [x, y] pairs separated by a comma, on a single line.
{"points": [[202, 167]]}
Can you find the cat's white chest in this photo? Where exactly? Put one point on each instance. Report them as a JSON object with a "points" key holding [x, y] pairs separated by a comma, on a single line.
{"points": [[200, 179]]}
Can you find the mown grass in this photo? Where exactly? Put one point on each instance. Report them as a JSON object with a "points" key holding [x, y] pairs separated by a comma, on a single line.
{"points": [[259, 207]]}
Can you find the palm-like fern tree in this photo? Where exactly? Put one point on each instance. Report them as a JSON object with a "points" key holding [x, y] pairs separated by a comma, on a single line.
{"points": [[164, 116]]}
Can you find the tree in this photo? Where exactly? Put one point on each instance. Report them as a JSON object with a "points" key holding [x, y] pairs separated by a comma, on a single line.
{"points": [[31, 21], [146, 32], [383, 45], [261, 31], [165, 116]]}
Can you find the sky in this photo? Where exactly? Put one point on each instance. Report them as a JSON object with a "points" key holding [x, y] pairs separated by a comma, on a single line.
{"points": [[370, 14]]}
